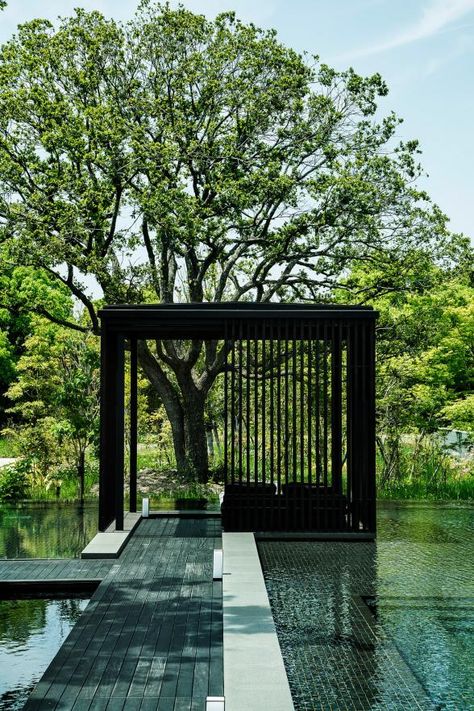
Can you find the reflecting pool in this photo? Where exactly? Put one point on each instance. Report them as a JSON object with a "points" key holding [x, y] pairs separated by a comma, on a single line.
{"points": [[31, 632], [385, 625], [46, 529]]}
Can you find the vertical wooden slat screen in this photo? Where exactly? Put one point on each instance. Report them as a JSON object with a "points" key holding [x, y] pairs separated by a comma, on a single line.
{"points": [[299, 453]]}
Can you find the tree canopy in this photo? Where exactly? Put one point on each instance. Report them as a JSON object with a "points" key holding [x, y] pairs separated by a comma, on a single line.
{"points": [[425, 360], [175, 158]]}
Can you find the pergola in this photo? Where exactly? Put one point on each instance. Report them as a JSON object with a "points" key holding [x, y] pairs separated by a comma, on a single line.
{"points": [[298, 416]]}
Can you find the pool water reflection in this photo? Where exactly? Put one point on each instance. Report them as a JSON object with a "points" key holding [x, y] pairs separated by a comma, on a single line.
{"points": [[434, 636], [46, 529], [385, 625], [31, 632]]}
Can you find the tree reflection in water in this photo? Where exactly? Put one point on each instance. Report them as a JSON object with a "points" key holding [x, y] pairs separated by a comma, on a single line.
{"points": [[31, 632], [47, 529]]}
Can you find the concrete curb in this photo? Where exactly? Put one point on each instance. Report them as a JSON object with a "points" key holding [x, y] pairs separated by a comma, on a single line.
{"points": [[254, 673]]}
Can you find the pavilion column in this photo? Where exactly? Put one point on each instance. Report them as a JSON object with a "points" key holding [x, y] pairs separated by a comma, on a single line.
{"points": [[361, 424], [111, 430], [336, 407], [371, 490], [133, 424]]}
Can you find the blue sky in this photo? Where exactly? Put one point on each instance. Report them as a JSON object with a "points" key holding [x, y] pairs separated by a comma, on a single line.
{"points": [[424, 49]]}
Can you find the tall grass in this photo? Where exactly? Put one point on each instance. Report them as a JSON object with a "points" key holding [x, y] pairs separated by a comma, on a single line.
{"points": [[429, 472]]}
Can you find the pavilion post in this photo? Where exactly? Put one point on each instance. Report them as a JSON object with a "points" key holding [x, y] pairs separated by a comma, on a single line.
{"points": [[336, 408], [111, 430], [361, 424], [371, 491], [133, 424]]}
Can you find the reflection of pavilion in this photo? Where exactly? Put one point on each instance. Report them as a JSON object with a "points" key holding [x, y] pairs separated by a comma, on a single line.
{"points": [[298, 414], [336, 654]]}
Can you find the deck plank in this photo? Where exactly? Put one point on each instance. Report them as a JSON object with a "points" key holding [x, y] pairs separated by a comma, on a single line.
{"points": [[151, 636]]}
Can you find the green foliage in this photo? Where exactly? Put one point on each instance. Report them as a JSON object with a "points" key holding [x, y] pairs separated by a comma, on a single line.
{"points": [[159, 435], [460, 414], [56, 397], [7, 447], [24, 290], [426, 350], [38, 445], [425, 358], [236, 168], [230, 149], [451, 490], [7, 367], [428, 472], [195, 490], [62, 483], [14, 483]]}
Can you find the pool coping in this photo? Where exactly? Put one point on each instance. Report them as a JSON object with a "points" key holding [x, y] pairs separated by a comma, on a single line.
{"points": [[253, 679], [110, 543]]}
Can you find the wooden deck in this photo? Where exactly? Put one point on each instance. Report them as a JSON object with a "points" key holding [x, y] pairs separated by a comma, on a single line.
{"points": [[151, 636]]}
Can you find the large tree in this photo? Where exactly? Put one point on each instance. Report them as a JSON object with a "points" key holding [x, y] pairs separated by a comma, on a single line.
{"points": [[179, 159]]}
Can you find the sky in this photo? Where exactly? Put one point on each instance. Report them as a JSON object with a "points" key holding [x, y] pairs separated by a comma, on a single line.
{"points": [[424, 49]]}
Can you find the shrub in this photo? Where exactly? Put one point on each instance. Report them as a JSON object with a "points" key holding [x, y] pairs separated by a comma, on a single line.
{"points": [[13, 483]]}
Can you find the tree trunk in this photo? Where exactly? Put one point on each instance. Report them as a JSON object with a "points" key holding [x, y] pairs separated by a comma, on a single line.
{"points": [[176, 418], [185, 411], [195, 436], [81, 474]]}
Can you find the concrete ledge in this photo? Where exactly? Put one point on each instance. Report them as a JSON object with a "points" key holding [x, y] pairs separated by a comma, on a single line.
{"points": [[110, 543], [254, 673]]}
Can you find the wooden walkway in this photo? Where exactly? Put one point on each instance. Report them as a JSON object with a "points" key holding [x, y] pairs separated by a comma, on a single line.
{"points": [[53, 569], [151, 636]]}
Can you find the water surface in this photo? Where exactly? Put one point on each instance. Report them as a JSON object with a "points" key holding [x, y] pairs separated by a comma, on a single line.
{"points": [[380, 626], [31, 632], [46, 529]]}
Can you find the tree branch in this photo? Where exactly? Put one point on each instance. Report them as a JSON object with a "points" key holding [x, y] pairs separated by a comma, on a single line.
{"points": [[69, 282], [113, 224], [151, 255]]}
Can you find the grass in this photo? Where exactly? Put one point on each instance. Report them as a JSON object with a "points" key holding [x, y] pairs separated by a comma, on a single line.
{"points": [[432, 474], [451, 490], [69, 490], [62, 486]]}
